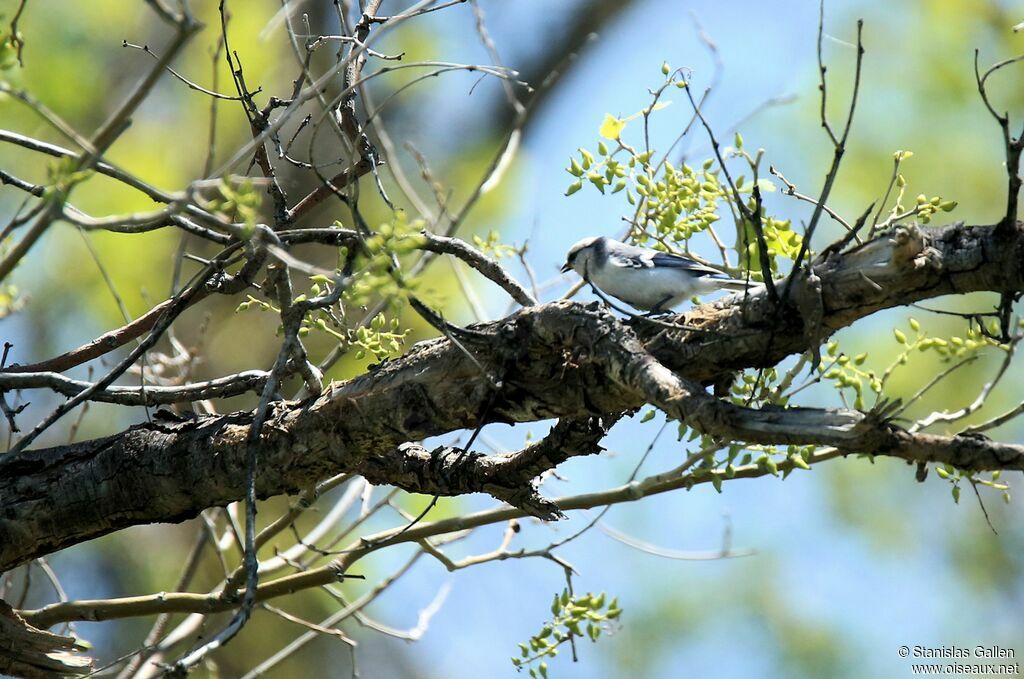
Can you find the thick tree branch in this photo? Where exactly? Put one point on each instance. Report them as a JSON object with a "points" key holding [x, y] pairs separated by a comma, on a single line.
{"points": [[560, 360], [454, 471]]}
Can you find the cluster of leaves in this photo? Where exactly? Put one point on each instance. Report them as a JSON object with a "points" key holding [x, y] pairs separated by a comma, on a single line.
{"points": [[924, 207], [851, 377], [754, 387], [780, 239], [673, 204], [956, 476], [239, 202], [574, 617], [493, 246], [768, 459], [381, 338], [722, 462], [683, 202], [847, 373], [378, 274]]}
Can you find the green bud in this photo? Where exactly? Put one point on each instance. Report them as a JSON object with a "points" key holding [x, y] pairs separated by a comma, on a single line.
{"points": [[573, 188], [799, 462], [665, 68], [900, 336]]}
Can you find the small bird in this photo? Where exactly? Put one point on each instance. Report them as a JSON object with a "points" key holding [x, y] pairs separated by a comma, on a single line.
{"points": [[643, 278]]}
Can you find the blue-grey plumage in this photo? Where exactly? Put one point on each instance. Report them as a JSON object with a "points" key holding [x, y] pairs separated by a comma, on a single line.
{"points": [[644, 278]]}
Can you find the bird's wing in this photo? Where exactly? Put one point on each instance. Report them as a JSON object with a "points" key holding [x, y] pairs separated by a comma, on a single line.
{"points": [[669, 260], [630, 260]]}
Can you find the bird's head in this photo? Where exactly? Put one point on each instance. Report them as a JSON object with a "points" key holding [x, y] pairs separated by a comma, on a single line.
{"points": [[579, 255]]}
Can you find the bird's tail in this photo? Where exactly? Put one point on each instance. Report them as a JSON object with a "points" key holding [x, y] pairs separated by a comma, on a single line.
{"points": [[736, 284]]}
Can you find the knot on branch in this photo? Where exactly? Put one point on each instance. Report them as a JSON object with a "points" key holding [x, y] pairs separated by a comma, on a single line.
{"points": [[908, 244]]}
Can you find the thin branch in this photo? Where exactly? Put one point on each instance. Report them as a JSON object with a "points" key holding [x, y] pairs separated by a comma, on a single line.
{"points": [[486, 266], [222, 387], [191, 85]]}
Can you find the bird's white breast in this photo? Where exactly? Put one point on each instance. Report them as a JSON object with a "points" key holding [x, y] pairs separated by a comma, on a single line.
{"points": [[646, 288]]}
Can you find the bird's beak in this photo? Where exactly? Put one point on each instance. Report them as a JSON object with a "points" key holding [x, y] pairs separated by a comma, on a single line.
{"points": [[567, 267]]}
